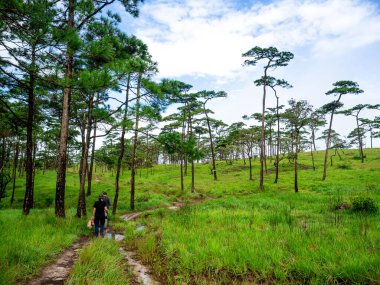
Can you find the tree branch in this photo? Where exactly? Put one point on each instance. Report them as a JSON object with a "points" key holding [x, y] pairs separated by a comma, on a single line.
{"points": [[13, 113], [93, 14]]}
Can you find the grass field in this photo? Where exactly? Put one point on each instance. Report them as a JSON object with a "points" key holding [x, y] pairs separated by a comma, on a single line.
{"points": [[239, 235]]}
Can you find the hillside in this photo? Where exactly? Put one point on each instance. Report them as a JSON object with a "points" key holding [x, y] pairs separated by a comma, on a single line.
{"points": [[233, 234]]}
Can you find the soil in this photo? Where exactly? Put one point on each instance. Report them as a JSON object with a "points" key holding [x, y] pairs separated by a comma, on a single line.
{"points": [[58, 271]]}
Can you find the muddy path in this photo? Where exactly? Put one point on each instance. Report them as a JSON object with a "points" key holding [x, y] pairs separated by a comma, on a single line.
{"points": [[58, 271], [141, 272], [134, 215]]}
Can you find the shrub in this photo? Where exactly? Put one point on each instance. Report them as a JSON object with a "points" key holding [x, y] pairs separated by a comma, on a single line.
{"points": [[344, 165], [364, 204], [48, 201], [342, 206], [358, 157]]}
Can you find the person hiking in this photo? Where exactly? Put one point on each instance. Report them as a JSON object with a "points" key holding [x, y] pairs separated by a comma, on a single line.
{"points": [[99, 215], [107, 200], [108, 204]]}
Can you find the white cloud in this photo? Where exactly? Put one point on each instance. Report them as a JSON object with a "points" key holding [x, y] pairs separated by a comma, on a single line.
{"points": [[208, 37], [203, 41]]}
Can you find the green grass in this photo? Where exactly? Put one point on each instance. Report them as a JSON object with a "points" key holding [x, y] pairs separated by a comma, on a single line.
{"points": [[243, 234], [29, 242], [270, 236], [100, 263], [163, 186]]}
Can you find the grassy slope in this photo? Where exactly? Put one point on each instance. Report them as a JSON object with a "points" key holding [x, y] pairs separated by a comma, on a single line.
{"points": [[275, 236], [269, 236], [302, 225]]}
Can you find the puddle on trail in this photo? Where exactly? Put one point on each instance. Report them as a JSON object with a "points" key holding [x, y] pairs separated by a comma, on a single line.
{"points": [[140, 228], [115, 236], [173, 208], [139, 270]]}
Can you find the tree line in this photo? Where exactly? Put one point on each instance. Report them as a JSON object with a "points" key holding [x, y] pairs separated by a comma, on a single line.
{"points": [[63, 66]]}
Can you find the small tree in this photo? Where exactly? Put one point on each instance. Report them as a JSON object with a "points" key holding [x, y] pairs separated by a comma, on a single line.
{"points": [[359, 133], [250, 138], [273, 83], [206, 96], [274, 59], [372, 125], [297, 117], [340, 88], [316, 121]]}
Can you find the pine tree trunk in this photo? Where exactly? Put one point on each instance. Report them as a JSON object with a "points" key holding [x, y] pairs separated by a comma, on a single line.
{"points": [[182, 154], [34, 169], [45, 159], [181, 169], [262, 144], [296, 165], [270, 145], [190, 135], [122, 148], [28, 198], [81, 208], [62, 149], [313, 139], [134, 148], [192, 177], [211, 145], [328, 145], [2, 168], [360, 141], [312, 156], [328, 142], [91, 167], [265, 158], [278, 142], [14, 170], [250, 167]]}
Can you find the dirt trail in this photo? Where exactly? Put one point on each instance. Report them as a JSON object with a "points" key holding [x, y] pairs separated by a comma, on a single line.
{"points": [[133, 216], [141, 272], [57, 272]]}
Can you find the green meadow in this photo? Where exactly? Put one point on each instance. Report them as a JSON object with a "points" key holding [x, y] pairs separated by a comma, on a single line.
{"points": [[228, 232]]}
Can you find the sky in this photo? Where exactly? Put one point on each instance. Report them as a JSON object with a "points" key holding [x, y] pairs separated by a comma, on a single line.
{"points": [[201, 43]]}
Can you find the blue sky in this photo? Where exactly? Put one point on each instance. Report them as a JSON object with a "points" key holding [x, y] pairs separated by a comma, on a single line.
{"points": [[201, 42]]}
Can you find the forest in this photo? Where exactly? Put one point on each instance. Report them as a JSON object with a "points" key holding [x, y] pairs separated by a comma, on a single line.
{"points": [[195, 200]]}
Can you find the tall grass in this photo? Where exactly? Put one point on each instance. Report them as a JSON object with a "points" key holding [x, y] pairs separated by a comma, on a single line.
{"points": [[29, 242], [100, 263], [271, 237]]}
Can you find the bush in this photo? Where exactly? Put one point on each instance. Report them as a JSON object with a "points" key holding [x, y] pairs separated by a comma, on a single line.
{"points": [[364, 204], [344, 165], [358, 157]]}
